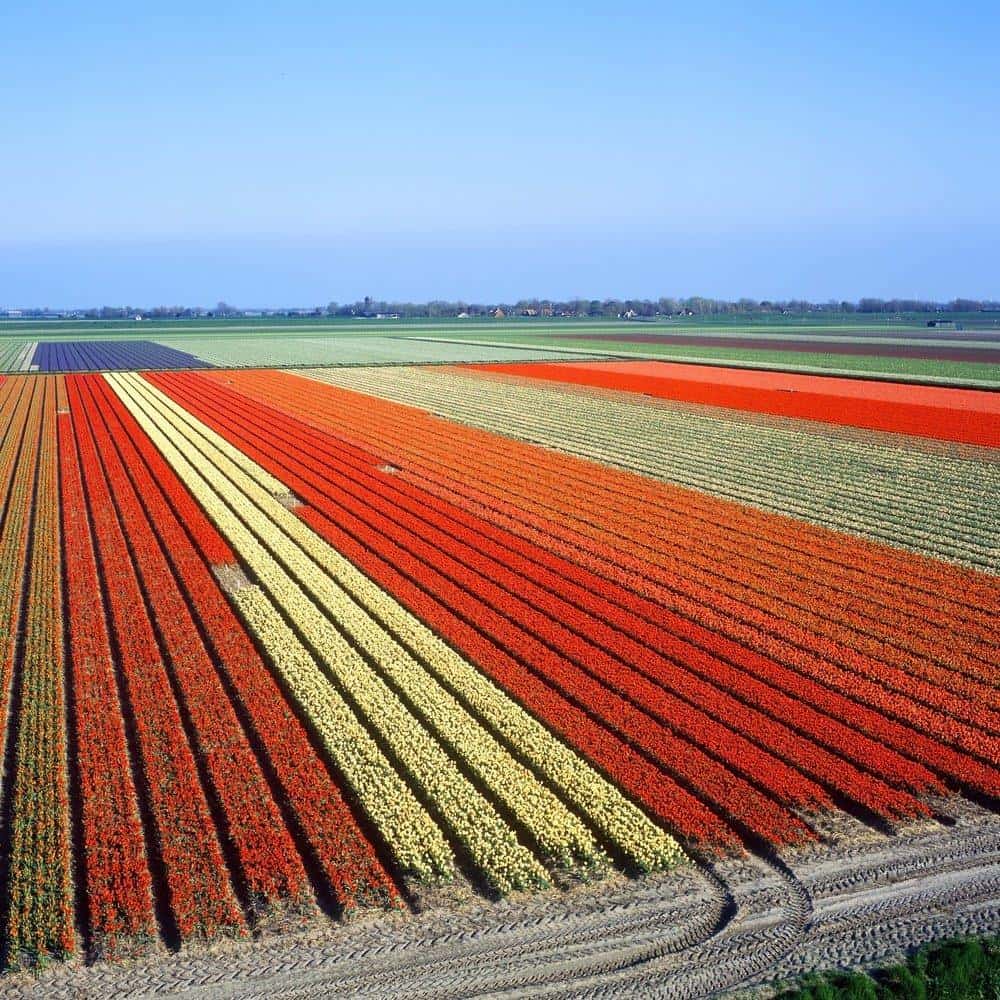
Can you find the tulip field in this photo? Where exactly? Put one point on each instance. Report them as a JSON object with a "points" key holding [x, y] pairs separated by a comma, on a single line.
{"points": [[280, 646]]}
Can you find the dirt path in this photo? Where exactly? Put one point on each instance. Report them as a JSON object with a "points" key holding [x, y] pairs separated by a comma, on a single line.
{"points": [[687, 934]]}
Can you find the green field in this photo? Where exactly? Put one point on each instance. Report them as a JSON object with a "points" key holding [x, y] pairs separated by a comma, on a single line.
{"points": [[865, 364], [893, 324], [278, 341], [343, 349]]}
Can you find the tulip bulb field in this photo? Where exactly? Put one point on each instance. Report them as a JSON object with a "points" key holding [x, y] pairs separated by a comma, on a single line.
{"points": [[356, 651]]}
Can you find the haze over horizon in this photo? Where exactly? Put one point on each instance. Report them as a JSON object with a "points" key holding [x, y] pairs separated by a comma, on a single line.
{"points": [[176, 154]]}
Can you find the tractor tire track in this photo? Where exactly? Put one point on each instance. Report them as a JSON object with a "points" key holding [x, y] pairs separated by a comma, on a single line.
{"points": [[738, 925]]}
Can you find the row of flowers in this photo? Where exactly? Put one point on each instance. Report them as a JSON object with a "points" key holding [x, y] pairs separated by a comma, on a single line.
{"points": [[266, 862], [765, 466], [40, 919], [556, 504], [620, 823], [562, 524], [333, 839], [199, 892], [785, 590]]}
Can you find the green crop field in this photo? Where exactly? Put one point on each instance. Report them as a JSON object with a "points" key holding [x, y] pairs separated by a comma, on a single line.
{"points": [[285, 341], [838, 363]]}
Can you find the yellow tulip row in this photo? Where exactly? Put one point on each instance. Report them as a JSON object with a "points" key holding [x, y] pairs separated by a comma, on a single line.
{"points": [[417, 842], [435, 677], [619, 822], [247, 465], [470, 818]]}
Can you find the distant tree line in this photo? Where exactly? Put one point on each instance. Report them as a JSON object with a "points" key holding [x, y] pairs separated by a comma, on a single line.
{"points": [[695, 305], [638, 309], [649, 308]]}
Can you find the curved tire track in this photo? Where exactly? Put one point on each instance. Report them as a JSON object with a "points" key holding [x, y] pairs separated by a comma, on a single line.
{"points": [[739, 924]]}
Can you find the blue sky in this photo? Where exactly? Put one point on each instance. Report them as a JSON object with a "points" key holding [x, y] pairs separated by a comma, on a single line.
{"points": [[295, 153]]}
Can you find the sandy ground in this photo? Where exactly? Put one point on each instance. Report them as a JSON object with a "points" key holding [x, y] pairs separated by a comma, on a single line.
{"points": [[859, 898]]}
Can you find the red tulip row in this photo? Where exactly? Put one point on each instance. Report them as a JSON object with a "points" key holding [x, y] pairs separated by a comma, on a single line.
{"points": [[457, 621], [333, 839], [40, 919], [593, 552], [674, 590], [270, 444], [597, 610], [950, 656], [851, 569], [928, 411], [950, 659], [114, 864], [592, 615], [267, 863], [196, 882]]}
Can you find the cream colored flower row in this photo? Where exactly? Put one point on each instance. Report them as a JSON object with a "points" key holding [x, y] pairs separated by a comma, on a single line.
{"points": [[691, 443], [416, 840], [556, 829], [258, 474], [619, 821], [471, 819], [520, 483], [933, 503], [472, 392], [626, 451]]}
